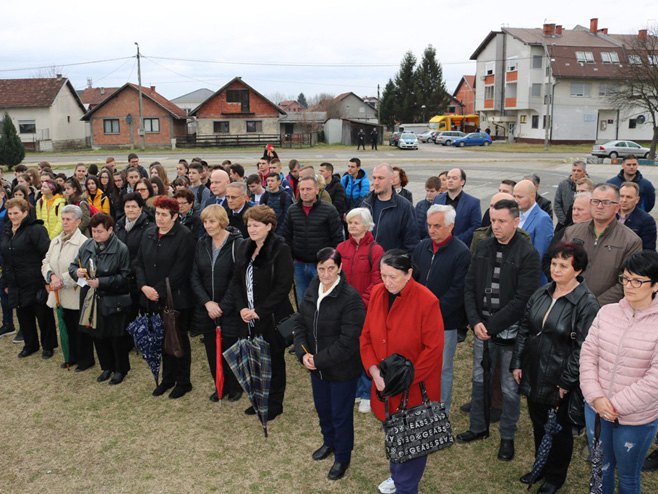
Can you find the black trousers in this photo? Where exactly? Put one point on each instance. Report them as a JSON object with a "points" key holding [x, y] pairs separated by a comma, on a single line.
{"points": [[113, 353], [231, 384], [278, 385], [27, 321], [559, 458], [177, 370], [81, 345]]}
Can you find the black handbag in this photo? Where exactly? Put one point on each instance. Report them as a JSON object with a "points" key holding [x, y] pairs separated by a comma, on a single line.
{"points": [[418, 431], [286, 328], [170, 317]]}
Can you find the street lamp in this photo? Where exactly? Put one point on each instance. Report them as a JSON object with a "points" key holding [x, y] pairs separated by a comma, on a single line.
{"points": [[423, 108]]}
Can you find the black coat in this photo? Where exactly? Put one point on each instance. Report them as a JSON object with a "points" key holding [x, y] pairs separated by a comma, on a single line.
{"points": [[170, 256], [306, 235], [22, 254], [210, 281], [272, 278], [549, 352], [337, 193], [133, 238], [519, 278], [406, 194], [331, 333], [237, 220], [194, 224], [112, 271]]}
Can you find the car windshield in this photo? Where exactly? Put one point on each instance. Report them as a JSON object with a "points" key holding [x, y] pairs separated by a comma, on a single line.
{"points": [[408, 135]]}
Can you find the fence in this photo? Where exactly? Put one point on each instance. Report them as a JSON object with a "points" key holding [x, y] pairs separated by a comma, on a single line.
{"points": [[246, 140]]}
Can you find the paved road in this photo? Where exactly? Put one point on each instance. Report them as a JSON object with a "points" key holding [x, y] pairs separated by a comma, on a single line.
{"points": [[484, 168]]}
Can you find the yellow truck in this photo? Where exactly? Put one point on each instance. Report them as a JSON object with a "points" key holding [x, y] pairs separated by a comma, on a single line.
{"points": [[464, 123]]}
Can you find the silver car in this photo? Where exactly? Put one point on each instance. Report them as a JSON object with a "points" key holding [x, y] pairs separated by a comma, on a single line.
{"points": [[614, 149], [408, 140], [445, 138]]}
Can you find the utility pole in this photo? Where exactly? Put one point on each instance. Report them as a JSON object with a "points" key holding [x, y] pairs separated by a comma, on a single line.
{"points": [[141, 103]]}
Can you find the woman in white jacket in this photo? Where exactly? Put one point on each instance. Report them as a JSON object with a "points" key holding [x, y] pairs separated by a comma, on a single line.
{"points": [[61, 253], [619, 374]]}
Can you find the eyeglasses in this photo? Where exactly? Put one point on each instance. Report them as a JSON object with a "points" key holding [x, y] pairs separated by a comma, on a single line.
{"points": [[603, 202], [634, 282]]}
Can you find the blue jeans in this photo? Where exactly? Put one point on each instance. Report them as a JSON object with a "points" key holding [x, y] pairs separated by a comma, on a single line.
{"points": [[500, 355], [407, 475], [363, 386], [449, 349], [304, 273], [624, 448]]}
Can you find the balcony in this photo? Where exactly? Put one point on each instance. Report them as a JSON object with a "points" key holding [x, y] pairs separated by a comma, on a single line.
{"points": [[489, 79], [488, 104], [512, 76], [510, 103]]}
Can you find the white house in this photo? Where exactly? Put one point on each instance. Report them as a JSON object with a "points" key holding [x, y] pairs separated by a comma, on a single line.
{"points": [[553, 83], [46, 112]]}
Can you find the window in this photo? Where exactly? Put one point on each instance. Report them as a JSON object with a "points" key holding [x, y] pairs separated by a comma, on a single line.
{"points": [[584, 57], [111, 125], [535, 121], [653, 59], [220, 127], [522, 118], [609, 57], [27, 127], [632, 123], [580, 89], [254, 126], [605, 89], [489, 68], [535, 91], [537, 61], [452, 109], [634, 59], [235, 95], [152, 125], [488, 92], [512, 65]]}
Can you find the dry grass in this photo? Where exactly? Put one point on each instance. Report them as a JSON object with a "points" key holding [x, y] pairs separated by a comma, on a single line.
{"points": [[63, 432]]}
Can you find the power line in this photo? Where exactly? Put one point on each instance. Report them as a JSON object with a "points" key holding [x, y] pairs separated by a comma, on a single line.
{"points": [[65, 64]]}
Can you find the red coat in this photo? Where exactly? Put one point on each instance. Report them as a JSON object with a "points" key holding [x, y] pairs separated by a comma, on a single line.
{"points": [[361, 272], [413, 328]]}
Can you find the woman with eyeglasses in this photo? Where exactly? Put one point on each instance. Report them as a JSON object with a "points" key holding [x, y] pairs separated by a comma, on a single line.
{"points": [[619, 374], [144, 188]]}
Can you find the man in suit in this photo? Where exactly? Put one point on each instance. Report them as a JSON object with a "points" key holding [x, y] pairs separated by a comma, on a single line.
{"points": [[633, 217], [467, 207], [532, 219], [236, 197]]}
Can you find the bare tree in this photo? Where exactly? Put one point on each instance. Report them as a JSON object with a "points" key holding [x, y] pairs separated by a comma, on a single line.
{"points": [[47, 73], [638, 88]]}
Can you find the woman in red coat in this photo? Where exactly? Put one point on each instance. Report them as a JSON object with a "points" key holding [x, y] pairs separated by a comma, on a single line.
{"points": [[403, 317], [361, 256]]}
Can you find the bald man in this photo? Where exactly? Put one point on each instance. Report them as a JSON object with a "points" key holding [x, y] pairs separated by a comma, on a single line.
{"points": [[219, 180], [533, 220], [467, 207]]}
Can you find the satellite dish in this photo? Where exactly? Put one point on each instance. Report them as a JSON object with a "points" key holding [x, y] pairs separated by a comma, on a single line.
{"points": [[641, 119]]}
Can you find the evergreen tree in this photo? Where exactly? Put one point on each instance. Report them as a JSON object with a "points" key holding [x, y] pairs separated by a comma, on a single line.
{"points": [[431, 87], [12, 151], [387, 104], [301, 99], [407, 90]]}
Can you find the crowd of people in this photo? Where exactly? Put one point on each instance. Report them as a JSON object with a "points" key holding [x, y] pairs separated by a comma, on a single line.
{"points": [[565, 315]]}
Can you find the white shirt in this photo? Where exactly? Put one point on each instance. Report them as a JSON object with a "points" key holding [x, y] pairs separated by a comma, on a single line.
{"points": [[523, 216], [322, 294]]}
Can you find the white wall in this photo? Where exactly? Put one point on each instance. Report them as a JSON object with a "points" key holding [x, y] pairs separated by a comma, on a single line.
{"points": [[65, 115], [333, 131], [41, 117]]}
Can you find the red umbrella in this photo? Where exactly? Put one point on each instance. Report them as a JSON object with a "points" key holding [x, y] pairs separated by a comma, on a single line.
{"points": [[219, 368]]}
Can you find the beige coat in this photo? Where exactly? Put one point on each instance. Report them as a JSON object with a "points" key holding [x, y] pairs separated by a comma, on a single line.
{"points": [[57, 261]]}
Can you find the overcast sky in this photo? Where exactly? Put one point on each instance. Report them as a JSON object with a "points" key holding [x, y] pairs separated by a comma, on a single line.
{"points": [[262, 41]]}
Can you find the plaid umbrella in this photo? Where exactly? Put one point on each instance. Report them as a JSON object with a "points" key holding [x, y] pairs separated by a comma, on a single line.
{"points": [[148, 335], [551, 427], [219, 368], [250, 361], [63, 330], [596, 459]]}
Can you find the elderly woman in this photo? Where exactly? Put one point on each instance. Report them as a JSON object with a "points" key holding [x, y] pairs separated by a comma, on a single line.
{"points": [[403, 317], [49, 207], [259, 292], [64, 290], [214, 261], [24, 244], [327, 344], [361, 255], [619, 374], [547, 350], [104, 264], [167, 252], [187, 215]]}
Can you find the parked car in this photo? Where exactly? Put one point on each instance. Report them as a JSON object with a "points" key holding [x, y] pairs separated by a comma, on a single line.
{"points": [[427, 136], [393, 140], [614, 149], [446, 137], [408, 140], [473, 139]]}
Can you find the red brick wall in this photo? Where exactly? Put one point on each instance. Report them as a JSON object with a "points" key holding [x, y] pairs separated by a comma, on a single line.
{"points": [[128, 102], [217, 107], [467, 96]]}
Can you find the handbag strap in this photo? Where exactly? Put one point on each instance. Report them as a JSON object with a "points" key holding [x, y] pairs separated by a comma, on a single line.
{"points": [[423, 392], [170, 298]]}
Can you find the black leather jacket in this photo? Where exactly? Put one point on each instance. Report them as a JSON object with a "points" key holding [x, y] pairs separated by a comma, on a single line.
{"points": [[549, 352]]}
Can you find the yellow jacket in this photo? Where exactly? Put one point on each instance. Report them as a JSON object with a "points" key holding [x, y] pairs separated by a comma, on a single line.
{"points": [[50, 212], [100, 201]]}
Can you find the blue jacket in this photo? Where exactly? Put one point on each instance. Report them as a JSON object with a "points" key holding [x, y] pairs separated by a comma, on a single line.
{"points": [[647, 191], [539, 226], [644, 226], [355, 190], [444, 273], [468, 217], [421, 217], [396, 227]]}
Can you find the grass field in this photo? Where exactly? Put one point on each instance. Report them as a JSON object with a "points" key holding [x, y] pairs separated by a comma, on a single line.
{"points": [[64, 432]]}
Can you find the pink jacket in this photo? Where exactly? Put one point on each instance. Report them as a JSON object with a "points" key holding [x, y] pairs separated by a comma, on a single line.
{"points": [[619, 360]]}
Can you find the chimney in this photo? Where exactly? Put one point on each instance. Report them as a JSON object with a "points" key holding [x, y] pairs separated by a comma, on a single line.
{"points": [[153, 88], [593, 25], [603, 30], [549, 29], [102, 91], [642, 34], [558, 29], [59, 76]]}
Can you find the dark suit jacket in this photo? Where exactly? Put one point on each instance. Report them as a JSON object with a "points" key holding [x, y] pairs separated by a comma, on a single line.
{"points": [[468, 217], [644, 226]]}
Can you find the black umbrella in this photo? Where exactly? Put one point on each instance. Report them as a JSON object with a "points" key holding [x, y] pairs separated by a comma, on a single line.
{"points": [[551, 427], [596, 459]]}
